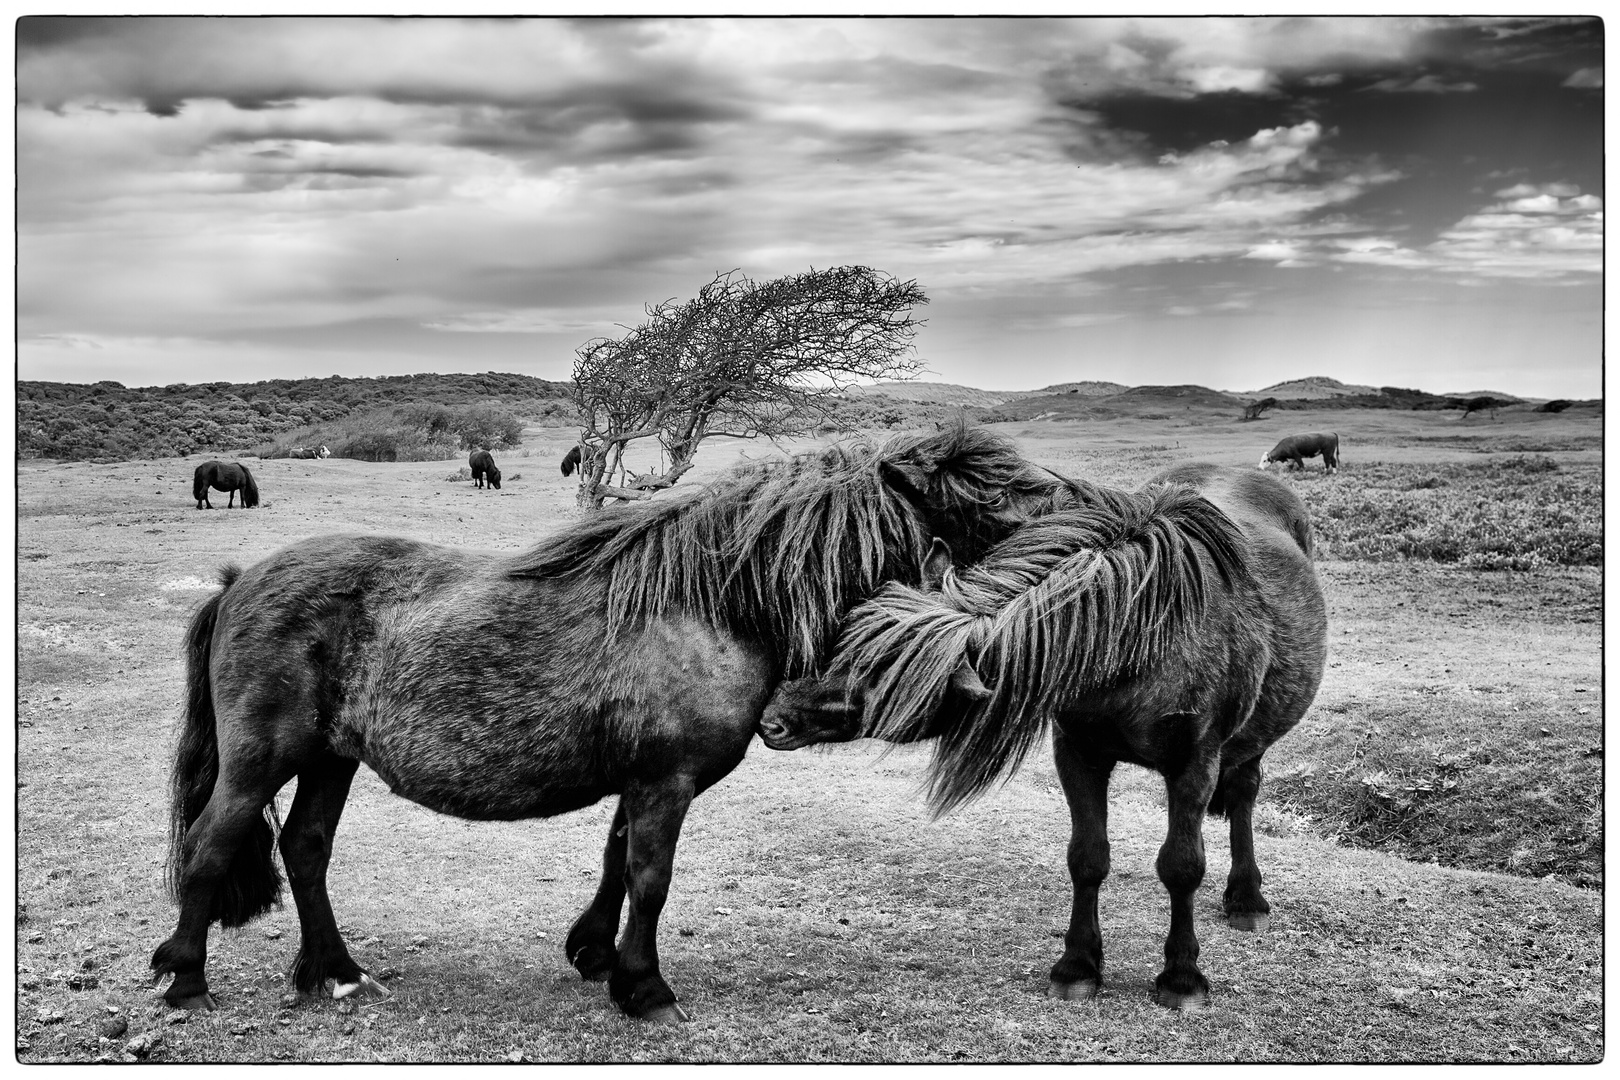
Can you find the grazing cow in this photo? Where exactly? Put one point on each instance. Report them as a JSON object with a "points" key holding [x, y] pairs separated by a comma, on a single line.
{"points": [[1296, 448], [483, 466], [309, 452]]}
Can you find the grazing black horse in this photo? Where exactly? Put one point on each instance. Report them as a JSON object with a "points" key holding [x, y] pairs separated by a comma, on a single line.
{"points": [[1296, 448], [427, 664], [1181, 628], [571, 460], [222, 477], [482, 464]]}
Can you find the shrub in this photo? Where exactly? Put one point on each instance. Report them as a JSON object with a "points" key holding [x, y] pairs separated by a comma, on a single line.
{"points": [[1516, 513]]}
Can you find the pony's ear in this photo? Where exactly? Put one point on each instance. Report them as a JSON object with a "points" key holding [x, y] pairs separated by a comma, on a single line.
{"points": [[910, 480], [935, 564], [965, 681]]}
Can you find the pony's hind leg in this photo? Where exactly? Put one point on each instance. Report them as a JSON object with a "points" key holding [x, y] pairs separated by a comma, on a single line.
{"points": [[224, 878], [306, 849], [1181, 868], [1077, 976], [590, 942], [1246, 907], [654, 812]]}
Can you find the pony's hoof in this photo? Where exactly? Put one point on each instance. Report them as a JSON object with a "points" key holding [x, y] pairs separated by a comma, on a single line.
{"points": [[594, 964], [1080, 990], [1196, 1001], [366, 987], [203, 1001], [1253, 922], [667, 1014]]}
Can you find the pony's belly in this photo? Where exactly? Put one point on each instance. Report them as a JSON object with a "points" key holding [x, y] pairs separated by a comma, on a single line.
{"points": [[490, 795]]}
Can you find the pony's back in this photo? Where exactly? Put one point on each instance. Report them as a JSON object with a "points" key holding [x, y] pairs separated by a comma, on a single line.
{"points": [[1248, 497]]}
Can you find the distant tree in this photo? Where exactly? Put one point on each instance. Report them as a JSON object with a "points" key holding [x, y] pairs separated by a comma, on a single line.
{"points": [[742, 358], [1252, 412]]}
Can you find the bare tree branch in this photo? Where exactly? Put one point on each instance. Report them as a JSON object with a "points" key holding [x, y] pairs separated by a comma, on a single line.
{"points": [[742, 358]]}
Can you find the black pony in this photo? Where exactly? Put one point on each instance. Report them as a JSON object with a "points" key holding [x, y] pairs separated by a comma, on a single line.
{"points": [[571, 460], [222, 477], [1181, 628], [425, 663], [482, 464]]}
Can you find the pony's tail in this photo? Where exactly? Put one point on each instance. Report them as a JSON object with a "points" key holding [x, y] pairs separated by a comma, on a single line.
{"points": [[252, 885], [250, 489]]}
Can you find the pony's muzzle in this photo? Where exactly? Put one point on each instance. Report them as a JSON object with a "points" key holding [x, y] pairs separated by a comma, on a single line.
{"points": [[777, 734]]}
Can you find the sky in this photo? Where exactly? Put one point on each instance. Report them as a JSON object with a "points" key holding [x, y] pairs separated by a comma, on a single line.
{"points": [[1413, 202]]}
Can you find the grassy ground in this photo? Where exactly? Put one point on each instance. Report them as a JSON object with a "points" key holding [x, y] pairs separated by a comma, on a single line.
{"points": [[817, 914]]}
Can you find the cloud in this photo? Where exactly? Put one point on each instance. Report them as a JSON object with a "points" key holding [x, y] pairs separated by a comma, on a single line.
{"points": [[1590, 78], [582, 322], [1422, 84], [1550, 233], [477, 178]]}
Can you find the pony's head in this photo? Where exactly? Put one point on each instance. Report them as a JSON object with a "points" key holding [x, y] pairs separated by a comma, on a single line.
{"points": [[833, 707], [494, 477]]}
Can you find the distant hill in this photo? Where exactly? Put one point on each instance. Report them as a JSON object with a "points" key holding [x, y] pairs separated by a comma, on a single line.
{"points": [[934, 393], [1497, 394], [1088, 389], [1316, 386], [110, 421]]}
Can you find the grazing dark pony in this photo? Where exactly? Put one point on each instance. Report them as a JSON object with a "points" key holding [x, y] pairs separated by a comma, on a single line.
{"points": [[222, 477], [429, 665], [1180, 628], [571, 460], [1296, 448], [482, 464]]}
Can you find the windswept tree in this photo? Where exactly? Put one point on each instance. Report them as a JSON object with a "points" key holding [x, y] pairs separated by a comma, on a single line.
{"points": [[744, 358]]}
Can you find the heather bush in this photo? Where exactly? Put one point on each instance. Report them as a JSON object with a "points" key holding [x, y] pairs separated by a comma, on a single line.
{"points": [[1516, 513]]}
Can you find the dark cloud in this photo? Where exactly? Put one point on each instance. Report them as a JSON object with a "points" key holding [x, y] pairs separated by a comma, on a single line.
{"points": [[38, 33]]}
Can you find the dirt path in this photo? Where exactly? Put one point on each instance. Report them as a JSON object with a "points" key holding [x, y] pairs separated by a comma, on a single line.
{"points": [[817, 913]]}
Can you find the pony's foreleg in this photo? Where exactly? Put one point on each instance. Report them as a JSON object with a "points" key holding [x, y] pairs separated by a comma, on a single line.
{"points": [[655, 812], [212, 844], [1181, 868], [306, 849], [1077, 976], [590, 943], [1246, 908]]}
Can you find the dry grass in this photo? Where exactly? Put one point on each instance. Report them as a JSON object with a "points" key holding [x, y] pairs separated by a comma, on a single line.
{"points": [[816, 914]]}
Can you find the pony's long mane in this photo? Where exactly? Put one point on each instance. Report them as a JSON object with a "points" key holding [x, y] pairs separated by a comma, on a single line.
{"points": [[780, 549], [1073, 603]]}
